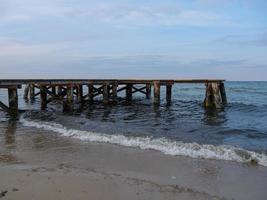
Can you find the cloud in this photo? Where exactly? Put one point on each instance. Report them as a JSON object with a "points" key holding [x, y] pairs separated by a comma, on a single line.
{"points": [[115, 13], [154, 14], [244, 40]]}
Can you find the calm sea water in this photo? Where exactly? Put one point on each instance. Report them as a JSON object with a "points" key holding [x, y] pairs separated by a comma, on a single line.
{"points": [[177, 129]]}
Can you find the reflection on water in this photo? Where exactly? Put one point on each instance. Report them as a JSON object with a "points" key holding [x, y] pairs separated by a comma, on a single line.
{"points": [[10, 133]]}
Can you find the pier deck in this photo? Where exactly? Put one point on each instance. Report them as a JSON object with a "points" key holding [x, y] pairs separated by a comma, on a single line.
{"points": [[66, 89]]}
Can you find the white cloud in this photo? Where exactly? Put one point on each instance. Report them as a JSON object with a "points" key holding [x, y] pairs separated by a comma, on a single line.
{"points": [[166, 15], [115, 13]]}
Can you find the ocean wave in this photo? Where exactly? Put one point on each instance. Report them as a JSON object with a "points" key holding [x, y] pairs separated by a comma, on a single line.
{"points": [[175, 148]]}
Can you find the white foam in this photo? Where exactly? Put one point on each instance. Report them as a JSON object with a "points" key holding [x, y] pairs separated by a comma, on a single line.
{"points": [[164, 145]]}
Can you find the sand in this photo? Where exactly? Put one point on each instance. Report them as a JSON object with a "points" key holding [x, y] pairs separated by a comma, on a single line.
{"points": [[40, 165]]}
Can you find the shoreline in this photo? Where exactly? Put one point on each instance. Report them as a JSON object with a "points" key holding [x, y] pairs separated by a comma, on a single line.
{"points": [[43, 165]]}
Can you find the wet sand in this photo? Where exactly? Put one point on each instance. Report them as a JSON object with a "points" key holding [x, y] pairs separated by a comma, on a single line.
{"points": [[35, 164]]}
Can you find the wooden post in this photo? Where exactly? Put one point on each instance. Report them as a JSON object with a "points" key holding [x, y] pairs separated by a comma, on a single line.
{"points": [[26, 91], [32, 92], [13, 100], [59, 90], [105, 93], [213, 97], [129, 91], [80, 93], [114, 91], [54, 90], [43, 97], [68, 104], [91, 92], [223, 93], [148, 90], [156, 92], [168, 93]]}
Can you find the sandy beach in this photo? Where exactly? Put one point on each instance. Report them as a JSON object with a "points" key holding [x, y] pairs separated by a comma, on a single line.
{"points": [[41, 165]]}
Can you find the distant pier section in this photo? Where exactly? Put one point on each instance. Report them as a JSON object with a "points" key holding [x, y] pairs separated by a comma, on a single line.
{"points": [[81, 91]]}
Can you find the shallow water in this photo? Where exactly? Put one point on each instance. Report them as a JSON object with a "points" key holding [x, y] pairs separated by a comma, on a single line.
{"points": [[184, 128]]}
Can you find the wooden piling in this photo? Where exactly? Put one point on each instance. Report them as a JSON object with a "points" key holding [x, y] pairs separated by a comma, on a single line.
{"points": [[168, 93], [54, 90], [13, 100], [68, 103], [59, 90], [223, 93], [32, 92], [90, 93], [156, 92], [80, 93], [43, 97], [129, 91], [26, 91], [114, 91], [105, 93], [213, 97], [148, 90]]}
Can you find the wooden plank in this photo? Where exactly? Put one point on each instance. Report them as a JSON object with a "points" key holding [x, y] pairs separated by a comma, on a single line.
{"points": [[18, 82]]}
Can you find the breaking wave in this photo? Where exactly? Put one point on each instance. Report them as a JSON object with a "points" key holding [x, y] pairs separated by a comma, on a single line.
{"points": [[175, 148]]}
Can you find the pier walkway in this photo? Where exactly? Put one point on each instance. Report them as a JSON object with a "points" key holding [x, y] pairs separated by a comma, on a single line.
{"points": [[87, 89]]}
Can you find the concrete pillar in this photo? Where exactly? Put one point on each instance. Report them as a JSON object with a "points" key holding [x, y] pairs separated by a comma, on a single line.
{"points": [[156, 92]]}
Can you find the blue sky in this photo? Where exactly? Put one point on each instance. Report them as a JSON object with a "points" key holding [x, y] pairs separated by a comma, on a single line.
{"points": [[133, 39]]}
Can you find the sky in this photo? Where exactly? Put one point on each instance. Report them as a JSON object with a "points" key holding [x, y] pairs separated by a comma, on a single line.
{"points": [[180, 39]]}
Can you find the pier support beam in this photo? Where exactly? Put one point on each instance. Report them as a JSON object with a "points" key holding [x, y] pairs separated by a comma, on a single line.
{"points": [[114, 91], [105, 93], [26, 92], [223, 93], [168, 93], [59, 90], [213, 97], [90, 93], [129, 91], [13, 100], [148, 90], [43, 97], [156, 92], [32, 92], [68, 104], [54, 90], [80, 93]]}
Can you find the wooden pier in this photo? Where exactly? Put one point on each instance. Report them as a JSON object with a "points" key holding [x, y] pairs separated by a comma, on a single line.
{"points": [[86, 90]]}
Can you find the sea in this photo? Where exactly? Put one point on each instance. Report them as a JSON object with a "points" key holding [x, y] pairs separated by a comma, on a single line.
{"points": [[237, 132]]}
